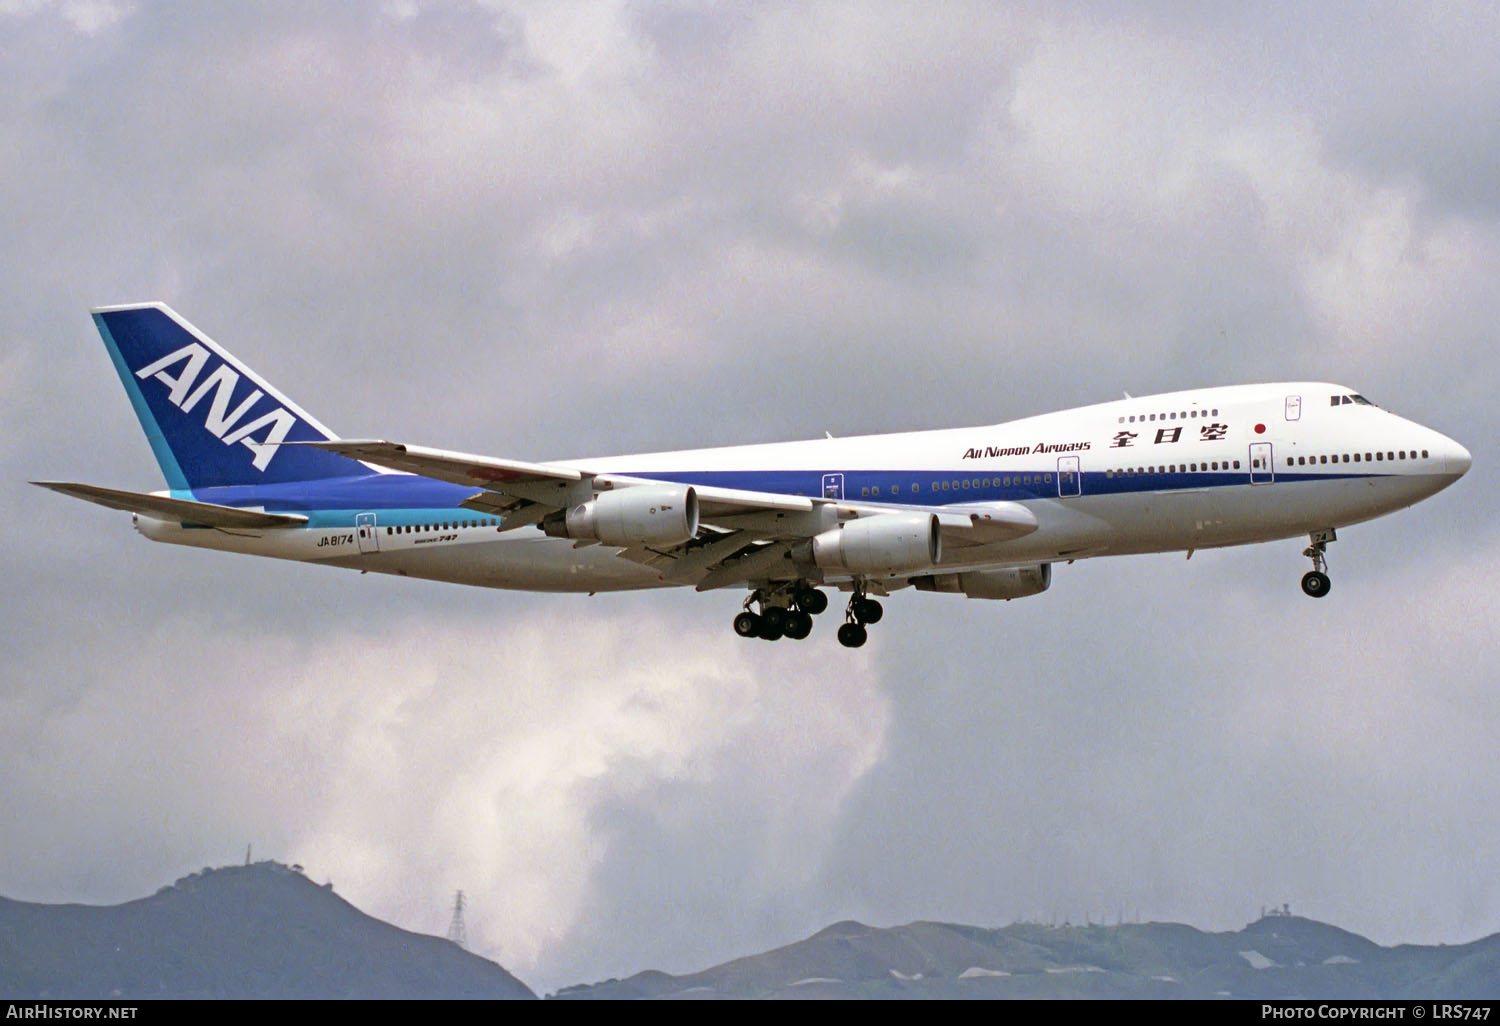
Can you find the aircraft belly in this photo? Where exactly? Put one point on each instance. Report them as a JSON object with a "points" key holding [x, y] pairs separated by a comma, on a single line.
{"points": [[528, 563], [1240, 514], [1072, 528]]}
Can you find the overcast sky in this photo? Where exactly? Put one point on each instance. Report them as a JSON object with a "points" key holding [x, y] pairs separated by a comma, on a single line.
{"points": [[544, 231]]}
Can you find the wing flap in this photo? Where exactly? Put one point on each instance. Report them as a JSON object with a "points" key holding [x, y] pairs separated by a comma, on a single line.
{"points": [[161, 507]]}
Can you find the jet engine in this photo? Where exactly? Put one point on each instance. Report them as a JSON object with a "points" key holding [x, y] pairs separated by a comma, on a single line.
{"points": [[641, 515], [1010, 583], [883, 544]]}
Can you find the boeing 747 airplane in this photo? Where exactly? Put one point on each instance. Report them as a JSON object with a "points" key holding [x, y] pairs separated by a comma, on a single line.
{"points": [[983, 512]]}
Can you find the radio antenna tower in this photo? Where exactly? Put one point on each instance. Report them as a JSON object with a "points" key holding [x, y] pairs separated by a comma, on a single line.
{"points": [[456, 924]]}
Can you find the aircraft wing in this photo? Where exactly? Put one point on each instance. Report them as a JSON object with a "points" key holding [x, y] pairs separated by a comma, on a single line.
{"points": [[186, 511], [515, 481], [745, 534], [526, 482]]}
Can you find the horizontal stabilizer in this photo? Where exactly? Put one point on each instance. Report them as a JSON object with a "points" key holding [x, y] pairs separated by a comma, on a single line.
{"points": [[161, 507]]}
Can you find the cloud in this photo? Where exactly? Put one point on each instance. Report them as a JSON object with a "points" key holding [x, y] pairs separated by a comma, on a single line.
{"points": [[425, 756]]}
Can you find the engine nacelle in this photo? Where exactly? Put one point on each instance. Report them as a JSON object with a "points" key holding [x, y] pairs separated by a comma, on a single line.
{"points": [[1010, 583], [639, 515], [883, 544]]}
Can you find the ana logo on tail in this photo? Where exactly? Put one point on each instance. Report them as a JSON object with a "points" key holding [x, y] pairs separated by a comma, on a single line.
{"points": [[221, 421]]}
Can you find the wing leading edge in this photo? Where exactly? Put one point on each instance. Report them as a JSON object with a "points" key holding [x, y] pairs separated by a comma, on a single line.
{"points": [[743, 536]]}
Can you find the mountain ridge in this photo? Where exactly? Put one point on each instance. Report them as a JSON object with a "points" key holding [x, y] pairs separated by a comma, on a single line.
{"points": [[264, 930], [261, 930], [1274, 957]]}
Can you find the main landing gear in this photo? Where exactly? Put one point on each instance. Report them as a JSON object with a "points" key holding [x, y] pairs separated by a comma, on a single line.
{"points": [[861, 611], [1315, 582], [787, 611], [784, 613]]}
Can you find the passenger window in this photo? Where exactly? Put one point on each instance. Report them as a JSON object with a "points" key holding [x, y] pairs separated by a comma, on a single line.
{"points": [[1048, 478], [1236, 464]]}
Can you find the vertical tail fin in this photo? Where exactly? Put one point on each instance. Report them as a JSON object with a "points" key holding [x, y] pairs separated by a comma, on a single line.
{"points": [[211, 421]]}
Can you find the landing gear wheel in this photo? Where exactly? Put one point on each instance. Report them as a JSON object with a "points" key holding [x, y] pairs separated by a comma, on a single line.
{"points": [[1316, 583], [747, 625], [852, 635], [867, 610], [775, 616], [811, 600], [798, 625], [770, 630]]}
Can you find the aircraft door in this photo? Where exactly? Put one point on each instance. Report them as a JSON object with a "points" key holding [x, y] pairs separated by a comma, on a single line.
{"points": [[833, 486], [1294, 407], [1262, 469], [1069, 478], [364, 530]]}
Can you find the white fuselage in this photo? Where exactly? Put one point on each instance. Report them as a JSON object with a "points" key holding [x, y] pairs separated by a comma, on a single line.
{"points": [[1181, 471]]}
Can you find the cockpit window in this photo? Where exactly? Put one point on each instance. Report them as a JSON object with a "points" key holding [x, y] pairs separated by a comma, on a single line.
{"points": [[1361, 400], [1347, 400]]}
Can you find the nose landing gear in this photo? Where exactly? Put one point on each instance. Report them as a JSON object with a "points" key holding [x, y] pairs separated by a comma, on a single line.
{"points": [[1315, 582]]}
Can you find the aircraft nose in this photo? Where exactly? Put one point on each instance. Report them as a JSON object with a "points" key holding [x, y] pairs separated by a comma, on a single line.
{"points": [[1456, 460]]}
